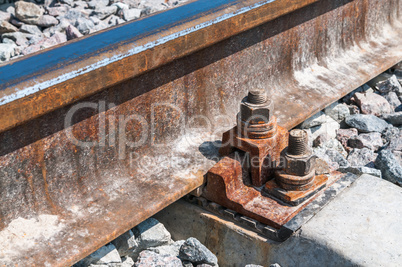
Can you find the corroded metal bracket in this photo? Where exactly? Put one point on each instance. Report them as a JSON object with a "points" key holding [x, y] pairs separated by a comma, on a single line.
{"points": [[268, 177]]}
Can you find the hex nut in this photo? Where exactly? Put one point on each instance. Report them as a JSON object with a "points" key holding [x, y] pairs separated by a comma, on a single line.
{"points": [[255, 114], [299, 165]]}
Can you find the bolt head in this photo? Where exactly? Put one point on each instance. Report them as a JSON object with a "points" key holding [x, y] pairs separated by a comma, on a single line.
{"points": [[256, 114], [299, 165]]}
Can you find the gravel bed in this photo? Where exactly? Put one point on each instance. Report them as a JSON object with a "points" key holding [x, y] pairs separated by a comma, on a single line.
{"points": [[29, 26], [149, 244], [362, 132]]}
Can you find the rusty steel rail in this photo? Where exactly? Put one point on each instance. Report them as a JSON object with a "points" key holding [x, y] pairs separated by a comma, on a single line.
{"points": [[149, 99]]}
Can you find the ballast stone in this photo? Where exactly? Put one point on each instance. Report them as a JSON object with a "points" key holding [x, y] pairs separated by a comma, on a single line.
{"points": [[372, 103], [361, 157], [337, 111], [192, 250], [27, 12], [126, 243], [149, 258], [393, 118], [371, 141], [6, 51], [151, 233], [173, 249], [391, 85], [366, 123], [390, 168], [104, 256]]}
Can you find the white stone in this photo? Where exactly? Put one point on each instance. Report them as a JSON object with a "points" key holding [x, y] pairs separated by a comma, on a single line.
{"points": [[329, 127], [130, 14], [27, 12], [315, 120], [337, 111], [105, 255]]}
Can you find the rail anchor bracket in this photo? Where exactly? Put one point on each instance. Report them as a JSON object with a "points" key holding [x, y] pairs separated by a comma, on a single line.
{"points": [[267, 173]]}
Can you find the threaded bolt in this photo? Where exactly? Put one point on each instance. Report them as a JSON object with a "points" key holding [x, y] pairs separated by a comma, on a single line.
{"points": [[257, 96], [298, 142]]}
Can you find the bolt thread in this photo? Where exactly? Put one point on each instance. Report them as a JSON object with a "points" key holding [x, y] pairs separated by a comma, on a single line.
{"points": [[257, 96], [298, 142]]}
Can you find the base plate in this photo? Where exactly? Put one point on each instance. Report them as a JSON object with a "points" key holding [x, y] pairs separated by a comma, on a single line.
{"points": [[294, 198]]}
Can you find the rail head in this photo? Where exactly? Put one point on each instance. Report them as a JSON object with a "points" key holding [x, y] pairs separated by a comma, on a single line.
{"points": [[42, 82]]}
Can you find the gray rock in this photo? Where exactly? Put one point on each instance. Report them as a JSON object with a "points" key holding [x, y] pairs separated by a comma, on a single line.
{"points": [[361, 157], [104, 256], [8, 41], [315, 120], [321, 154], [151, 233], [343, 135], [72, 32], [390, 133], [320, 140], [353, 109], [334, 144], [172, 249], [152, 6], [149, 258], [398, 156], [390, 168], [80, 5], [394, 101], [126, 243], [371, 103], [93, 4], [131, 3], [390, 85], [57, 11], [31, 29], [130, 14], [19, 38], [102, 13], [337, 111], [35, 39], [395, 144], [5, 27], [321, 166], [4, 16], [84, 25], [61, 27], [114, 20], [348, 98], [255, 265], [95, 20], [55, 39], [274, 265], [371, 141], [102, 25], [192, 250], [361, 170], [329, 127], [27, 12], [337, 157], [73, 15], [393, 118], [47, 21], [126, 262], [366, 123], [121, 6], [6, 51]]}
